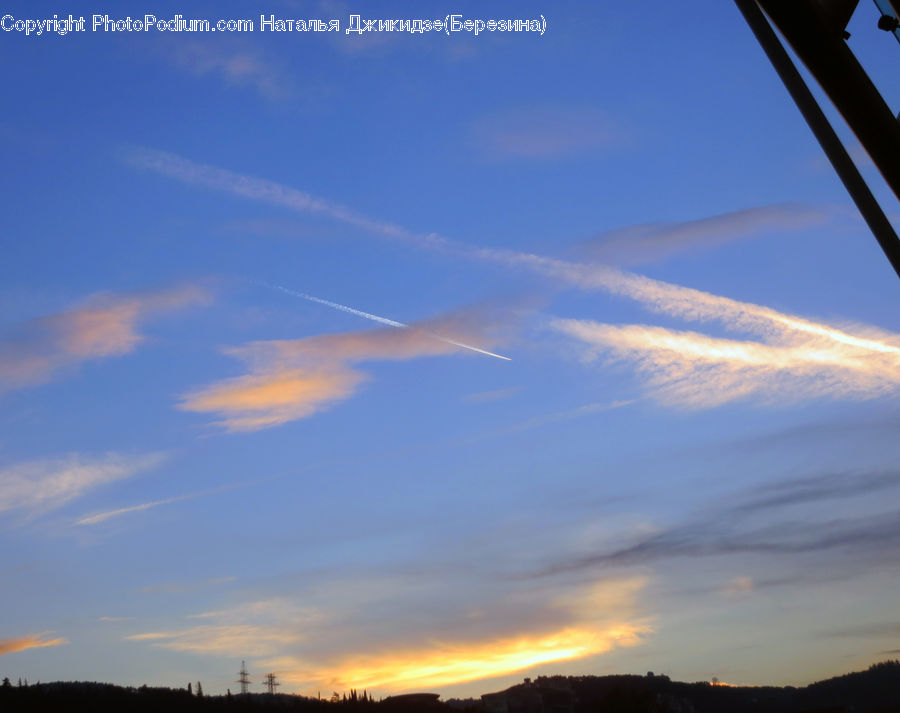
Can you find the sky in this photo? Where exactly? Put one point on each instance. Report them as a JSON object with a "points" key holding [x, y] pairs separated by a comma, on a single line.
{"points": [[427, 362]]}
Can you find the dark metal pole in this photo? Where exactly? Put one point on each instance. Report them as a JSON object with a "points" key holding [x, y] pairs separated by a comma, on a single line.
{"points": [[818, 122], [820, 46]]}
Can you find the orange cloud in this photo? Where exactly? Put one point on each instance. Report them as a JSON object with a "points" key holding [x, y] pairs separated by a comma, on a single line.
{"points": [[444, 663], [32, 641], [293, 379], [105, 325], [594, 620], [319, 646]]}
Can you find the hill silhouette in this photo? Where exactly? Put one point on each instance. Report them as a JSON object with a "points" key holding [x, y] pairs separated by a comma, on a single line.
{"points": [[876, 690]]}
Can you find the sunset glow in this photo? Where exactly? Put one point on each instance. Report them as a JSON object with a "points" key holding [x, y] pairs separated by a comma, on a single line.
{"points": [[442, 664]]}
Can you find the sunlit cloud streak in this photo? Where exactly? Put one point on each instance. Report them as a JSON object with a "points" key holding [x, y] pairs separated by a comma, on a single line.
{"points": [[445, 663], [698, 371], [41, 485], [382, 320], [31, 641], [586, 621], [105, 325], [293, 379], [790, 358], [322, 647]]}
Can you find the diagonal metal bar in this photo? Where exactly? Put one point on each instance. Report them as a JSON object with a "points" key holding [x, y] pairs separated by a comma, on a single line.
{"points": [[857, 188]]}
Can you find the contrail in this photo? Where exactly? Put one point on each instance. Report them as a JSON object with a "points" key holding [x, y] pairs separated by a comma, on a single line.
{"points": [[381, 320]]}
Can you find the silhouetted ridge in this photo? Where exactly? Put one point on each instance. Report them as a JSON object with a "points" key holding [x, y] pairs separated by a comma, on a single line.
{"points": [[876, 690]]}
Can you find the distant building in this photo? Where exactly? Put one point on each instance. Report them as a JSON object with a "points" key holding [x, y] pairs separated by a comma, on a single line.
{"points": [[412, 701], [544, 696]]}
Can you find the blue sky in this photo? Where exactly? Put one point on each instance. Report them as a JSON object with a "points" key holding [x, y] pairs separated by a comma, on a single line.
{"points": [[685, 464]]}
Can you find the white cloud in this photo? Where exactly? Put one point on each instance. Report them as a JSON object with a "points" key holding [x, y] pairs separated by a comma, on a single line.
{"points": [[42, 485]]}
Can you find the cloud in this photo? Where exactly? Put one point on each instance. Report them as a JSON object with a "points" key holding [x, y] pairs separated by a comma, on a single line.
{"points": [[738, 586], [99, 517], [790, 356], [795, 357], [634, 243], [445, 663], [290, 380], [104, 326], [579, 624], [181, 587], [225, 640], [264, 191], [547, 132], [818, 488], [694, 370], [41, 485], [327, 646], [103, 516], [764, 521], [239, 67], [656, 241], [259, 628], [31, 641], [494, 395], [879, 630]]}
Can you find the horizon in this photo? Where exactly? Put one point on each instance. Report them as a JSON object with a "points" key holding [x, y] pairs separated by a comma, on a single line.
{"points": [[345, 696], [436, 361]]}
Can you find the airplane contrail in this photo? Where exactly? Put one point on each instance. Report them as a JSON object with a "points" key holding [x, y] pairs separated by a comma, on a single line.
{"points": [[381, 320]]}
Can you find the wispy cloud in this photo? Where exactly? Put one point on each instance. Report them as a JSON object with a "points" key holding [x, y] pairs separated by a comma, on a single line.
{"points": [[445, 663], [99, 517], [698, 371], [493, 395], [235, 65], [41, 485], [105, 325], [103, 516], [222, 640], [764, 521], [265, 191], [791, 356], [878, 630], [323, 647], [545, 132], [800, 357], [259, 628], [293, 379], [382, 320], [180, 587], [582, 623], [31, 641], [656, 241]]}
